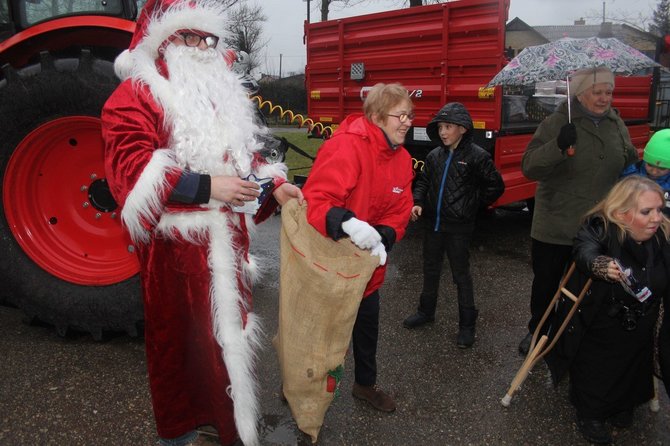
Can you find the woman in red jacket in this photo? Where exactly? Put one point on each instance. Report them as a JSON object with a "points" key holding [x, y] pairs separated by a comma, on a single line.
{"points": [[361, 186]]}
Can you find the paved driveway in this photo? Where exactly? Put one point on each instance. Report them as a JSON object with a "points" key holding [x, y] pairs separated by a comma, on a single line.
{"points": [[74, 391]]}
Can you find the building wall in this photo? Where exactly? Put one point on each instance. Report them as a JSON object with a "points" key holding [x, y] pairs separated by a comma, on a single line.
{"points": [[519, 40]]}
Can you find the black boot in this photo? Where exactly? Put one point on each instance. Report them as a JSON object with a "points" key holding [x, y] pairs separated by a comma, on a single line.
{"points": [[467, 317], [524, 345], [417, 319], [425, 313], [594, 431]]}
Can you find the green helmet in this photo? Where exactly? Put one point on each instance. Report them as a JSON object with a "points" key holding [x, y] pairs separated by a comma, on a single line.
{"points": [[657, 151]]}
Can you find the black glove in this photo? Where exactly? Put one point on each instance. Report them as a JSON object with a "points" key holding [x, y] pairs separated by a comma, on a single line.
{"points": [[567, 136]]}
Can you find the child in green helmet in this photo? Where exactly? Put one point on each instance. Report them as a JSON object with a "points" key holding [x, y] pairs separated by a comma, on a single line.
{"points": [[655, 163]]}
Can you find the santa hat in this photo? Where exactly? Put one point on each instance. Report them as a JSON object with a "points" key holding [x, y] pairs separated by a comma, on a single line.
{"points": [[158, 20]]}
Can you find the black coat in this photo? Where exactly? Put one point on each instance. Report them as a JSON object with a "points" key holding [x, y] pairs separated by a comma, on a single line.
{"points": [[591, 241], [472, 182]]}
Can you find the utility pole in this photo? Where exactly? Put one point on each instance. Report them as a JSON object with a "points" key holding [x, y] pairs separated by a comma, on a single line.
{"points": [[280, 58]]}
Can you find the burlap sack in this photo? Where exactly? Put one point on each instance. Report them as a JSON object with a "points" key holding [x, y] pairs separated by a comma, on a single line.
{"points": [[321, 285]]}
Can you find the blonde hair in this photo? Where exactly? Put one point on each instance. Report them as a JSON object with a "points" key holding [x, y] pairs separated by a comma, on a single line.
{"points": [[622, 198], [382, 98]]}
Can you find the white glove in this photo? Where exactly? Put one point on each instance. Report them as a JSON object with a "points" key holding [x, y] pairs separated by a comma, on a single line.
{"points": [[361, 233], [379, 250]]}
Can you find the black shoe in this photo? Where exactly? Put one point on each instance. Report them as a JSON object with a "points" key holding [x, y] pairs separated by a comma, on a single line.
{"points": [[622, 419], [466, 337], [417, 320], [594, 431], [524, 345], [467, 319]]}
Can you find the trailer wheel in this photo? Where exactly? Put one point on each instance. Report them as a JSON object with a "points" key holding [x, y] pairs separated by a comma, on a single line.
{"points": [[65, 258]]}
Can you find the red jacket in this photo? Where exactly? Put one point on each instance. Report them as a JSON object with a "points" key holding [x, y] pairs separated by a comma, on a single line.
{"points": [[356, 171]]}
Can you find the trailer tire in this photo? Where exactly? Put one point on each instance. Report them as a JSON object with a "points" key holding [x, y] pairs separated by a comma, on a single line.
{"points": [[64, 260]]}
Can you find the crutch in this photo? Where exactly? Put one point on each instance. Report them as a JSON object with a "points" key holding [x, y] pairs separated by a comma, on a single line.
{"points": [[654, 405], [537, 352]]}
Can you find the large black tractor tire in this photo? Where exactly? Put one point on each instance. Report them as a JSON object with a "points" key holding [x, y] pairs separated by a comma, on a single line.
{"points": [[71, 90]]}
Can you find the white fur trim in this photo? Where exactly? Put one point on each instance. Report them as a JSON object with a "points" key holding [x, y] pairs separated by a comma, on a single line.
{"points": [[274, 170], [251, 269], [191, 226], [123, 65], [143, 204], [143, 71], [239, 344]]}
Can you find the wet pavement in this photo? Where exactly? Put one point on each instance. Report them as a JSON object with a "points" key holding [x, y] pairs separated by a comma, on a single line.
{"points": [[76, 391]]}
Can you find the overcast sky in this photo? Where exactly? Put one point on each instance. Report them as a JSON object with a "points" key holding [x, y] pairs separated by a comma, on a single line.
{"points": [[284, 27]]}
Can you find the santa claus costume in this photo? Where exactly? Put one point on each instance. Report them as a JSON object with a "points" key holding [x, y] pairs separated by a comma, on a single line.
{"points": [[180, 112]]}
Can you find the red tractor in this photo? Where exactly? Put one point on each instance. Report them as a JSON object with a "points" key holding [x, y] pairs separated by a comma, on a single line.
{"points": [[64, 256]]}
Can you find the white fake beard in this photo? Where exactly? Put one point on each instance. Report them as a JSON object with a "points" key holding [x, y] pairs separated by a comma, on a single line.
{"points": [[209, 113]]}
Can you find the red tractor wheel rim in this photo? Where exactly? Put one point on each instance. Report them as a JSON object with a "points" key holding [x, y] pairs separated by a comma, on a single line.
{"points": [[58, 205]]}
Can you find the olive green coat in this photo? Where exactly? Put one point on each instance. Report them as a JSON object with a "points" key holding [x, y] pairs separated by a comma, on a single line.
{"points": [[568, 186]]}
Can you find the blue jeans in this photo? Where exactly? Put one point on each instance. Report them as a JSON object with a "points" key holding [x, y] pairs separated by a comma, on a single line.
{"points": [[183, 440]]}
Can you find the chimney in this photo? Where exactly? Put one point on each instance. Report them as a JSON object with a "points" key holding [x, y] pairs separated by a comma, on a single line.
{"points": [[581, 21], [606, 30]]}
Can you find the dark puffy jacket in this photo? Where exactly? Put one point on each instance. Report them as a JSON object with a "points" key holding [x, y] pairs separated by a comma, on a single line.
{"points": [[472, 181]]}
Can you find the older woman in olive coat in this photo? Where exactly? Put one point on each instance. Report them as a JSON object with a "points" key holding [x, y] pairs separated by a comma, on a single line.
{"points": [[575, 164]]}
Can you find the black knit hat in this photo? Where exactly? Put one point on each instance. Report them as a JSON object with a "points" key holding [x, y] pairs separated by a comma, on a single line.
{"points": [[453, 112]]}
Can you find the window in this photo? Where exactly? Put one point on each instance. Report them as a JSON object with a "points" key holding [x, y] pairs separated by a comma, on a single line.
{"points": [[39, 10], [4, 14]]}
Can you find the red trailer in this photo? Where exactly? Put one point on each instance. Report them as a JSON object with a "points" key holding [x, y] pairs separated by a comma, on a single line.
{"points": [[442, 53]]}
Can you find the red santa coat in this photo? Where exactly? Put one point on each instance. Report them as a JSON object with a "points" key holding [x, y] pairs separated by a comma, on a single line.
{"points": [[196, 277], [357, 170]]}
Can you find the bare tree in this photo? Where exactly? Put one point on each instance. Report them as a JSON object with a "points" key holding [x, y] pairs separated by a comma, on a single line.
{"points": [[246, 31], [325, 4], [638, 21], [660, 21]]}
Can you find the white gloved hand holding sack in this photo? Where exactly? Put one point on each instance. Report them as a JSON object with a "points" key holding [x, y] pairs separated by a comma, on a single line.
{"points": [[361, 233], [379, 250]]}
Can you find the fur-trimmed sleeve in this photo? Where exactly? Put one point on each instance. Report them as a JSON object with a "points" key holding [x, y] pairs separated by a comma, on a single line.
{"points": [[140, 170]]}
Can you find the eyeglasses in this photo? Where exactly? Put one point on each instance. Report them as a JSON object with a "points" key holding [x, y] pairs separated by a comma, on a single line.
{"points": [[403, 117], [193, 39]]}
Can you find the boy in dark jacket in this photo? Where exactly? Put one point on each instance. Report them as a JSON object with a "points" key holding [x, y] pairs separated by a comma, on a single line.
{"points": [[457, 179]]}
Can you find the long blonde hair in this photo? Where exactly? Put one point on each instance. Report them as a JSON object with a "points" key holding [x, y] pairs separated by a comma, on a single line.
{"points": [[622, 198]]}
